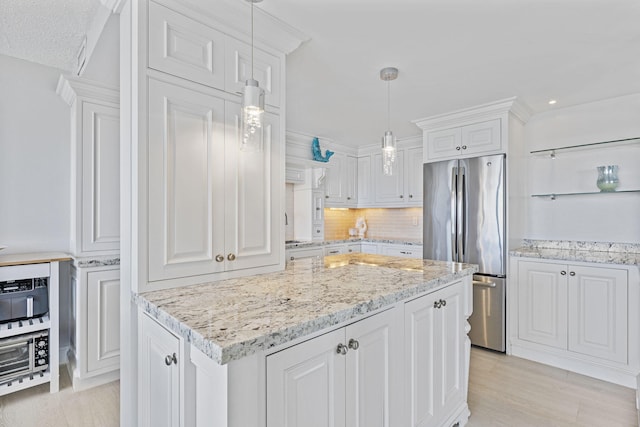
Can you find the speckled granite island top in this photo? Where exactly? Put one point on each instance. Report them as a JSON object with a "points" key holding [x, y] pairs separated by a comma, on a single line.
{"points": [[230, 319]]}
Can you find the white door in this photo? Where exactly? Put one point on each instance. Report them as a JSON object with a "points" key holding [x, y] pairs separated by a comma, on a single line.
{"points": [[598, 312], [542, 303], [252, 194], [159, 375], [373, 368], [389, 189], [365, 180], [103, 320], [481, 138], [352, 181], [100, 178], [449, 348], [420, 378], [306, 384], [443, 144], [413, 175], [186, 181], [336, 180]]}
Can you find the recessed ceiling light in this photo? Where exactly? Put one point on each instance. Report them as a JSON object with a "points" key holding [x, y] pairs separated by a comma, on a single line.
{"points": [[552, 101]]}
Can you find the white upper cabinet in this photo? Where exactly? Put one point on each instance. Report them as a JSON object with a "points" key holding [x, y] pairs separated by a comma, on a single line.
{"points": [[95, 170], [464, 141], [212, 208], [365, 181], [413, 176], [389, 189], [186, 181], [335, 182], [352, 181], [186, 48], [266, 70]]}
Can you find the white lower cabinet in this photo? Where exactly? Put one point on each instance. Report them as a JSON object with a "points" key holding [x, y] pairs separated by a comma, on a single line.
{"points": [[435, 358], [160, 373], [94, 354], [343, 378], [578, 317], [405, 251]]}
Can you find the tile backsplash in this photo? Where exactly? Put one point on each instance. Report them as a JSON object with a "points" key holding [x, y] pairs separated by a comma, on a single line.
{"points": [[381, 222]]}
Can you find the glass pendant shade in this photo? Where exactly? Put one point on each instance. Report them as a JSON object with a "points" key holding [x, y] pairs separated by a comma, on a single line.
{"points": [[252, 115], [388, 153]]}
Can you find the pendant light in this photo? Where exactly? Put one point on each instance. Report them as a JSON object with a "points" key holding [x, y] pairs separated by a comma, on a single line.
{"points": [[252, 106], [388, 140]]}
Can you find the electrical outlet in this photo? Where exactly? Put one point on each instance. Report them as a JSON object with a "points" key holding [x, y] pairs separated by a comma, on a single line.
{"points": [[415, 221]]}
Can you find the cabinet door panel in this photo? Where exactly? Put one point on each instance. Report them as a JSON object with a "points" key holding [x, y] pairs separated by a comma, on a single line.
{"points": [[159, 383], [389, 189], [186, 175], [336, 180], [371, 371], [306, 384], [252, 191], [451, 348], [103, 320], [266, 70], [365, 181], [414, 167], [420, 364], [598, 312], [183, 47], [542, 302], [481, 138], [100, 177], [443, 144], [352, 181]]}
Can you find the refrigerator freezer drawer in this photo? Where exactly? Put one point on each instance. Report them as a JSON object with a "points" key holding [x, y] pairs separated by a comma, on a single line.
{"points": [[488, 318]]}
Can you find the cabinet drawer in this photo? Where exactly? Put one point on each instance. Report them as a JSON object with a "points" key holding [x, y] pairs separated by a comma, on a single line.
{"points": [[401, 251], [293, 254], [335, 250], [185, 48]]}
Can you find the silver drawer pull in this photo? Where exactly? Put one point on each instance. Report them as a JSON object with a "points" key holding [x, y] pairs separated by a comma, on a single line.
{"points": [[484, 284]]}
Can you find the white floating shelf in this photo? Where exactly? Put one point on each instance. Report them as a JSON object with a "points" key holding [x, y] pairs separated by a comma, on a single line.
{"points": [[27, 381], [20, 327]]}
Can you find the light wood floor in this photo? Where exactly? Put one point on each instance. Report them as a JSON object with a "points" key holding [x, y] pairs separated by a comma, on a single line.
{"points": [[503, 391]]}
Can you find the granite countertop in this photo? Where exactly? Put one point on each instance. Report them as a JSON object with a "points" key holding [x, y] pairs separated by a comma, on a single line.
{"points": [[596, 252], [233, 318], [395, 241]]}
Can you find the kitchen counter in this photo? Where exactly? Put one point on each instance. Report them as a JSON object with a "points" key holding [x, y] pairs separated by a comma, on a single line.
{"points": [[230, 319], [33, 258], [596, 252], [395, 241]]}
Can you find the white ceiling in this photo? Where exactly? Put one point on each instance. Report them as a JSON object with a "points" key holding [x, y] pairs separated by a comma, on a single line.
{"points": [[48, 32], [451, 54]]}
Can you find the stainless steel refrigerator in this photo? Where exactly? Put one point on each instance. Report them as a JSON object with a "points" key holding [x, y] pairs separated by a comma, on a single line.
{"points": [[464, 221]]}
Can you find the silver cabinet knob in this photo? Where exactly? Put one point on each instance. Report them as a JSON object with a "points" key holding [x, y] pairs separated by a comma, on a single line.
{"points": [[219, 258], [231, 257], [342, 349], [436, 304], [401, 196], [458, 148], [573, 273], [443, 302], [292, 258], [353, 344], [563, 273], [464, 147], [326, 197], [411, 196], [348, 198], [171, 359]]}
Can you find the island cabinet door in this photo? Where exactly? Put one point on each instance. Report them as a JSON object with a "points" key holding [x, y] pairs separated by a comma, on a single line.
{"points": [[434, 356], [306, 384], [160, 361], [373, 388]]}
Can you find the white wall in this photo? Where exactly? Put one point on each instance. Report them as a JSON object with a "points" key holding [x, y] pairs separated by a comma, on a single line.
{"points": [[599, 217], [34, 159]]}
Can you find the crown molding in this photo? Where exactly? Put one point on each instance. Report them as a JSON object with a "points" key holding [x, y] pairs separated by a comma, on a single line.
{"points": [[477, 113], [72, 88]]}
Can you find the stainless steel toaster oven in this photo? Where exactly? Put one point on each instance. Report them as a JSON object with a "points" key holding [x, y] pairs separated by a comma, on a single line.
{"points": [[24, 298]]}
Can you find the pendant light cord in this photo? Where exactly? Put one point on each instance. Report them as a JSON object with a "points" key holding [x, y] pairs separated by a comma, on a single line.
{"points": [[252, 40], [388, 105]]}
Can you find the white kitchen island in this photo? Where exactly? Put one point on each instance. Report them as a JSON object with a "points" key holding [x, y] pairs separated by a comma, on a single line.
{"points": [[346, 340]]}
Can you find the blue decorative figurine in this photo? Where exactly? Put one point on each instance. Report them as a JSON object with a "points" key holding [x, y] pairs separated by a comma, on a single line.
{"points": [[317, 154]]}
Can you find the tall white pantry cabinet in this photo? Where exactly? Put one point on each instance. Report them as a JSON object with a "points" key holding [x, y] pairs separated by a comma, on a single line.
{"points": [[94, 353], [194, 208]]}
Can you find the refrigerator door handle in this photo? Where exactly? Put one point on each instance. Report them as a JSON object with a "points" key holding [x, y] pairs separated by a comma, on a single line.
{"points": [[463, 221], [454, 216], [460, 222]]}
